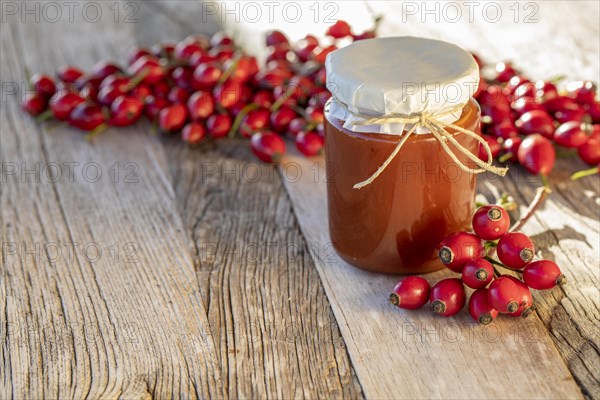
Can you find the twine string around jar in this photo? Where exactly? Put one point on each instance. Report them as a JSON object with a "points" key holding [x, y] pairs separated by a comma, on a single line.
{"points": [[438, 130]]}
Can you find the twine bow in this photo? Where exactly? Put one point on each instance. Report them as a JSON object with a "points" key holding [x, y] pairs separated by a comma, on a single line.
{"points": [[438, 130]]}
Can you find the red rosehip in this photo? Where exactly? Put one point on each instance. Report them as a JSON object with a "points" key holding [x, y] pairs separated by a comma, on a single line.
{"points": [[459, 248], [589, 152], [511, 147], [480, 308], [593, 110], [477, 273], [63, 102], [150, 67], [410, 293], [172, 118], [584, 93], [515, 250], [536, 122], [276, 37], [537, 155], [280, 119], [200, 105], [142, 92], [254, 121], [206, 76], [178, 95], [447, 297], [135, 53], [503, 295], [43, 85], [103, 68], [574, 114], [267, 146], [505, 129], [228, 93], [543, 274], [154, 105], [182, 76], [188, 48], [339, 30], [34, 104], [125, 111], [494, 146], [193, 133], [524, 298], [86, 116], [546, 91], [218, 125], [571, 134], [68, 74], [221, 39], [310, 143], [491, 222], [526, 104], [505, 72]]}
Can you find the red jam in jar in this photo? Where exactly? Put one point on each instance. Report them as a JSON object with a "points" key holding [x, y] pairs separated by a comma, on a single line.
{"points": [[396, 222]]}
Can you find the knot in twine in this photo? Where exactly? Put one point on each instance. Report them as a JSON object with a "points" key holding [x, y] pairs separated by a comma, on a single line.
{"points": [[438, 130]]}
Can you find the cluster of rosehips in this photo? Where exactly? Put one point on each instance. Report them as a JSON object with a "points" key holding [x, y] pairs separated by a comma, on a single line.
{"points": [[202, 87], [469, 254], [524, 120]]}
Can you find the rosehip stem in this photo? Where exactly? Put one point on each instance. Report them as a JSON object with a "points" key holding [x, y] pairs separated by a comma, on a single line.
{"points": [[95, 132], [499, 264], [240, 117], [540, 196], [229, 71], [45, 116], [585, 172], [505, 157], [280, 101], [56, 125], [136, 80], [497, 273]]}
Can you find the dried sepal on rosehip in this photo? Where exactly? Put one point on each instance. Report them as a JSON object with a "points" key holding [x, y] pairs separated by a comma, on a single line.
{"points": [[410, 293], [524, 298]]}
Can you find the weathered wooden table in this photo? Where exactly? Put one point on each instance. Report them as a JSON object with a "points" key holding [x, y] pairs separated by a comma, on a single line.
{"points": [[138, 267]]}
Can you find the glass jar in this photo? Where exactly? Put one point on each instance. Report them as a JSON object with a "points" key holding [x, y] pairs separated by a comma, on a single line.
{"points": [[393, 189], [395, 224]]}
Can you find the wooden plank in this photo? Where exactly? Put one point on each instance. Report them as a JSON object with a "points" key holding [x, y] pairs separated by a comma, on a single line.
{"points": [[276, 333], [509, 360], [131, 324]]}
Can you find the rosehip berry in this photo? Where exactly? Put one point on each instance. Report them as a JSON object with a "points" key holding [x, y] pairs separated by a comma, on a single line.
{"points": [[276, 37], [536, 122], [34, 104], [511, 148], [228, 93], [515, 250], [280, 119], [503, 295], [221, 39], [154, 105], [584, 93], [546, 91], [339, 30], [536, 154], [589, 152], [593, 111], [571, 134], [477, 273], [150, 67], [125, 111], [505, 129], [310, 143], [188, 48], [172, 118], [494, 146], [480, 308], [447, 297], [178, 95], [135, 53], [102, 69], [254, 121], [218, 125], [410, 293], [296, 126], [206, 76], [43, 85], [86, 116], [193, 133], [63, 103], [322, 55], [182, 76], [543, 274], [267, 146], [200, 105], [524, 298], [505, 72], [491, 222], [458, 248], [526, 104], [68, 74]]}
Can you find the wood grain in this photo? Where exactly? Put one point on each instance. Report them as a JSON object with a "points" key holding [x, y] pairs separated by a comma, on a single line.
{"points": [[566, 229]]}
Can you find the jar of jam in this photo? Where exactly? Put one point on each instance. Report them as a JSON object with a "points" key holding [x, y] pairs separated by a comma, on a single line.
{"points": [[395, 222]]}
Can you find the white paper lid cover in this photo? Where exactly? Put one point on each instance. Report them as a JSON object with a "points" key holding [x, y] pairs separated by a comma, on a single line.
{"points": [[399, 75]]}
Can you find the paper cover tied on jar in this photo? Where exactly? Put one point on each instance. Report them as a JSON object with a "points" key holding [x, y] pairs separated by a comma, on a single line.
{"points": [[401, 117]]}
